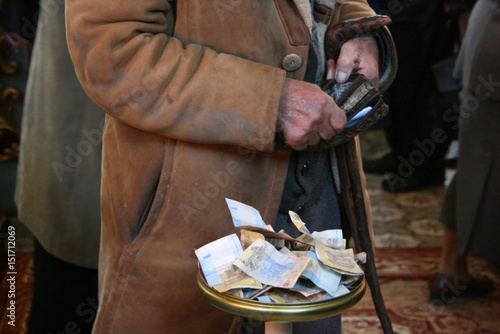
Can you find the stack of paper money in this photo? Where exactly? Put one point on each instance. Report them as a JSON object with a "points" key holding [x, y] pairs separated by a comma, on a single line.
{"points": [[273, 267]]}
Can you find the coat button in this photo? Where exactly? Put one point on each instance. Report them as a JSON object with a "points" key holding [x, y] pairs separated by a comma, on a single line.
{"points": [[301, 209], [305, 168], [292, 62]]}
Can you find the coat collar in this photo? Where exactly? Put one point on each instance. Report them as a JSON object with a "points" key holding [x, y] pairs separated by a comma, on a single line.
{"points": [[304, 7]]}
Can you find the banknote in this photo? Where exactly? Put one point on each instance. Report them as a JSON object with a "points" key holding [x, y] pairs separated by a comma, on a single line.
{"points": [[288, 252], [276, 242], [216, 258], [319, 274], [328, 234], [306, 287], [238, 280], [244, 215], [304, 242], [257, 293], [340, 260], [360, 258], [264, 299], [249, 237], [235, 293], [248, 218], [348, 280], [282, 296], [300, 253], [323, 295], [330, 238], [273, 266], [269, 233], [299, 224], [267, 265], [341, 290], [333, 243]]}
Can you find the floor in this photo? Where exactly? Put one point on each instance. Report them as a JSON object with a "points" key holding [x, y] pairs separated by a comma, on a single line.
{"points": [[405, 219], [408, 239]]}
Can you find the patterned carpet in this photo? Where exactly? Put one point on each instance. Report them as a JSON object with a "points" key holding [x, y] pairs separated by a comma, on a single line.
{"points": [[408, 236], [403, 274], [404, 219]]}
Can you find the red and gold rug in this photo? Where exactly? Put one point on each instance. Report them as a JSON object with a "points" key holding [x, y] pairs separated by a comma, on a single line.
{"points": [[403, 275]]}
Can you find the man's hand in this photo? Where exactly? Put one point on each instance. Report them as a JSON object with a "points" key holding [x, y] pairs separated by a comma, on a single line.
{"points": [[356, 55], [307, 114]]}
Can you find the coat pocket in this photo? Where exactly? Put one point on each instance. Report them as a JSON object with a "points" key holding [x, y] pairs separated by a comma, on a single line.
{"points": [[147, 209]]}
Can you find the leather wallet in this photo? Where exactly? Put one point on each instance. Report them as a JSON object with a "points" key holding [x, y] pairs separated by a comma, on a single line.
{"points": [[357, 97], [361, 102]]}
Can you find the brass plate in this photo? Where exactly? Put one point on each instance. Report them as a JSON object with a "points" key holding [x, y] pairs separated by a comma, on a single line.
{"points": [[282, 312]]}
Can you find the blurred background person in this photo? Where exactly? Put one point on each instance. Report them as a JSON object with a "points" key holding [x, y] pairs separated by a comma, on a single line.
{"points": [[58, 183], [470, 210], [418, 132]]}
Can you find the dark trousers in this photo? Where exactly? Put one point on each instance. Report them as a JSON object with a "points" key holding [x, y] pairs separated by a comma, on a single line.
{"points": [[64, 296]]}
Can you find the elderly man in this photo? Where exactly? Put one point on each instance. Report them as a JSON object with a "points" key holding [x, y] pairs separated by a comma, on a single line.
{"points": [[206, 100]]}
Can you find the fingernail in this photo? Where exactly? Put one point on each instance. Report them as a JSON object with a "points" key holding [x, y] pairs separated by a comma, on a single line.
{"points": [[341, 76]]}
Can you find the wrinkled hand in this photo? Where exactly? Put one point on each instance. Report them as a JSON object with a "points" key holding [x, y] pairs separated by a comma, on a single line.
{"points": [[356, 55], [307, 115]]}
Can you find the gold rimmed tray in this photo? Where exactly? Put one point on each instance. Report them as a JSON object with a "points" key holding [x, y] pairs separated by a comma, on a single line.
{"points": [[253, 309]]}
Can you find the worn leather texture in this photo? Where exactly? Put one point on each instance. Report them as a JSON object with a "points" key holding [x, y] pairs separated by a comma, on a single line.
{"points": [[352, 97]]}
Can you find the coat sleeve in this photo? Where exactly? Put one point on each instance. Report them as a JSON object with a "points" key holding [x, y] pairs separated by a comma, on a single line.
{"points": [[140, 75]]}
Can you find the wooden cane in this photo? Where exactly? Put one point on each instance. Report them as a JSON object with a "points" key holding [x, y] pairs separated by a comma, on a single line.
{"points": [[364, 235]]}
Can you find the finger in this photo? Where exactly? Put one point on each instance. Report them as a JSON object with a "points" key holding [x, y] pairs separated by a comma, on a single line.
{"points": [[330, 65], [299, 140], [360, 55], [347, 62], [338, 120], [297, 145], [372, 76], [302, 142], [326, 132], [313, 140]]}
